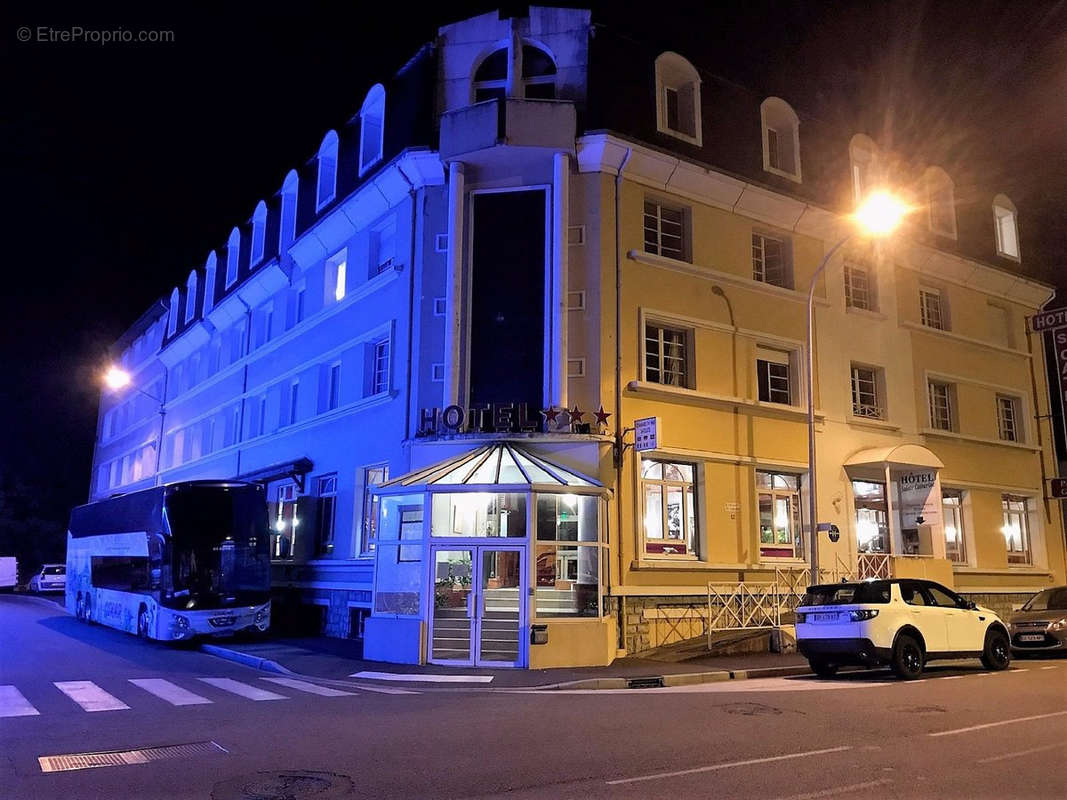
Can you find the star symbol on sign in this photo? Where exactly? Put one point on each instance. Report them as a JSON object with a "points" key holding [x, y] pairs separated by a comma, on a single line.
{"points": [[549, 413], [576, 414], [601, 415]]}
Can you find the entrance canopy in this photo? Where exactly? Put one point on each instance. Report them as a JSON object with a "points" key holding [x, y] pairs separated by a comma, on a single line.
{"points": [[497, 467], [901, 455]]}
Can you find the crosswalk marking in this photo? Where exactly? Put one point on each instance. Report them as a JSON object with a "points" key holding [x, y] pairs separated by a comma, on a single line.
{"points": [[311, 688], [172, 693], [13, 704], [90, 696], [242, 689]]}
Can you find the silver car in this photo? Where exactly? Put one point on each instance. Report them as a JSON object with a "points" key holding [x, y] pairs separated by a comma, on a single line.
{"points": [[1041, 624]]}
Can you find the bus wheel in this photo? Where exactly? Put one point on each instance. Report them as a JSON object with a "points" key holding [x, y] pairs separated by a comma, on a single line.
{"points": [[142, 622], [88, 606], [79, 611]]}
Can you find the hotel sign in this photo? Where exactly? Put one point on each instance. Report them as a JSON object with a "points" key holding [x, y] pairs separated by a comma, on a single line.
{"points": [[508, 418], [646, 434], [1049, 320], [920, 498], [1056, 322]]}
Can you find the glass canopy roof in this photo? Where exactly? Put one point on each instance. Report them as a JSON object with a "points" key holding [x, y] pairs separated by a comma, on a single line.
{"points": [[504, 466]]}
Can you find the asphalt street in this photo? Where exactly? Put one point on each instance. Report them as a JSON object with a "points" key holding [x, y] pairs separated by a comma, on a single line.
{"points": [[69, 688]]}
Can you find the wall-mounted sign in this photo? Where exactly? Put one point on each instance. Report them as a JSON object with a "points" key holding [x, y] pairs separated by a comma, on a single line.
{"points": [[1049, 320], [646, 434], [1059, 488], [508, 418], [920, 497]]}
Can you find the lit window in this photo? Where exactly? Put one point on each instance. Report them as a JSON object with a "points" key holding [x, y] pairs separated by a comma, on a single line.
{"points": [[568, 556], [335, 276], [678, 98], [955, 543], [327, 162], [865, 393], [326, 489], [1007, 229], [666, 356], [941, 406], [669, 508], [1008, 418], [778, 498], [1016, 528], [932, 309], [940, 202], [872, 517], [859, 288], [773, 376], [772, 261], [372, 476], [666, 231], [371, 128], [781, 138], [285, 523]]}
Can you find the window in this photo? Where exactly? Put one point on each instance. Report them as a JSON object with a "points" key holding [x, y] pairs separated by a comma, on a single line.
{"points": [[666, 355], [491, 77], [872, 517], [259, 232], [437, 372], [669, 508], [941, 406], [576, 301], [862, 156], [210, 267], [575, 367], [383, 248], [780, 531], [1007, 228], [190, 297], [1007, 418], [576, 235], [866, 393], [283, 535], [372, 476], [172, 318], [678, 98], [940, 202], [1001, 331], [955, 544], [327, 178], [333, 386], [261, 416], [772, 260], [287, 231], [326, 489], [568, 556], [300, 304], [666, 231], [371, 128], [781, 138], [932, 310], [537, 80], [1016, 528], [335, 276], [440, 243], [294, 402], [233, 253], [379, 367], [859, 288], [774, 376], [440, 305]]}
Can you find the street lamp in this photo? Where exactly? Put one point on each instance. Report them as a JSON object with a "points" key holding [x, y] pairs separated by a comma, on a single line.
{"points": [[117, 378], [879, 215]]}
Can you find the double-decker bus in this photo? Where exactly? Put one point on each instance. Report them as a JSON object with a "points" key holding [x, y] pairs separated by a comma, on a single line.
{"points": [[172, 562]]}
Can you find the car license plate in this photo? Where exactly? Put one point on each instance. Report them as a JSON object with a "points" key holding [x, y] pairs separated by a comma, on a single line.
{"points": [[1032, 637], [824, 617]]}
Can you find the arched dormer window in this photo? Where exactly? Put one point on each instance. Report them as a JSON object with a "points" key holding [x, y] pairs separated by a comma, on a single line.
{"points": [[863, 166], [371, 128], [327, 160], [172, 322], [210, 267], [190, 296], [940, 202], [527, 71], [233, 252], [678, 98], [781, 138], [1006, 221], [259, 232], [287, 229]]}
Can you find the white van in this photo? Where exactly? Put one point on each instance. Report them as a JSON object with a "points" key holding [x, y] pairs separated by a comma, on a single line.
{"points": [[8, 573]]}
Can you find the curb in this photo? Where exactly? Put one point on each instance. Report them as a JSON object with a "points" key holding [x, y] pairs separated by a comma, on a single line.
{"points": [[255, 662], [682, 679]]}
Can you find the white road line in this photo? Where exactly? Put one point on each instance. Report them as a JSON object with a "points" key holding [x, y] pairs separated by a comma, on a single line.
{"points": [[727, 765], [835, 790], [90, 696], [1054, 666], [953, 677], [998, 724], [311, 688], [242, 689], [1005, 756], [13, 704], [384, 690], [172, 693], [422, 678]]}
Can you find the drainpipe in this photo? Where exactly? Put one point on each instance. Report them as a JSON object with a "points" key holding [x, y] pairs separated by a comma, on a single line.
{"points": [[244, 382], [411, 301], [453, 283], [618, 398], [162, 417]]}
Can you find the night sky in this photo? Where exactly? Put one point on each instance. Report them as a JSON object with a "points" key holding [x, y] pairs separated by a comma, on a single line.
{"points": [[127, 163]]}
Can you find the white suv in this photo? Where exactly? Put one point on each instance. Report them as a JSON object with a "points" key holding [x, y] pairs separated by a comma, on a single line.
{"points": [[901, 622]]}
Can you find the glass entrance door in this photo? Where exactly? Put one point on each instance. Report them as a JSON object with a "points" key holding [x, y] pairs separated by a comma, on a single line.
{"points": [[479, 610]]}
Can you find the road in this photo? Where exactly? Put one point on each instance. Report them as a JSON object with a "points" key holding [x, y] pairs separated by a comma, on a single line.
{"points": [[959, 733]]}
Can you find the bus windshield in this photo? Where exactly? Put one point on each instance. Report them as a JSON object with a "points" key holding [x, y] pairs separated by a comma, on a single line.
{"points": [[219, 554]]}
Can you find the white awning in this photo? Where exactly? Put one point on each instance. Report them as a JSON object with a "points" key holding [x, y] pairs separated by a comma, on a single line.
{"points": [[901, 455]]}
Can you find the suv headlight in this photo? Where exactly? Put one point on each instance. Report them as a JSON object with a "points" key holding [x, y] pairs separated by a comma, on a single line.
{"points": [[262, 614], [863, 614]]}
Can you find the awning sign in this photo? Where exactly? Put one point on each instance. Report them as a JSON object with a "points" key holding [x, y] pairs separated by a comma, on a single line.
{"points": [[920, 496]]}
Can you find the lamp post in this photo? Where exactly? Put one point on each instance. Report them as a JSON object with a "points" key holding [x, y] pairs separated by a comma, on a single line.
{"points": [[117, 378], [879, 215]]}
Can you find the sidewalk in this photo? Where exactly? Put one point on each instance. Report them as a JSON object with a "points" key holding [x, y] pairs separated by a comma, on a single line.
{"points": [[339, 659]]}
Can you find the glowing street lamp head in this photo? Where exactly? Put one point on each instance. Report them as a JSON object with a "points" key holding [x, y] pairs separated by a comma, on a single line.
{"points": [[116, 378], [881, 213]]}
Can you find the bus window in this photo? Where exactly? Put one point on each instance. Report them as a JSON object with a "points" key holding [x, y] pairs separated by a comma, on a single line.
{"points": [[120, 572]]}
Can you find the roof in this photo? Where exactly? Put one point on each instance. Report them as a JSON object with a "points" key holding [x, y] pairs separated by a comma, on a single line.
{"points": [[500, 466]]}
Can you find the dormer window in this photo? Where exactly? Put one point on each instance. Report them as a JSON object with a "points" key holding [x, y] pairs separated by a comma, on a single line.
{"points": [[371, 128], [259, 232], [287, 231], [1007, 227], [327, 161], [531, 74], [172, 320], [862, 155], [190, 297], [940, 202], [233, 252], [209, 281], [678, 98], [781, 138]]}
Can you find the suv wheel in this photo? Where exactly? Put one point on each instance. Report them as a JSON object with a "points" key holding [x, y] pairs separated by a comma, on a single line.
{"points": [[907, 662], [997, 652], [822, 667]]}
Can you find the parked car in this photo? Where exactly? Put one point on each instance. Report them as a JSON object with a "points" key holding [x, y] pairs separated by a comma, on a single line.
{"points": [[51, 578], [8, 573], [1041, 624], [900, 622]]}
